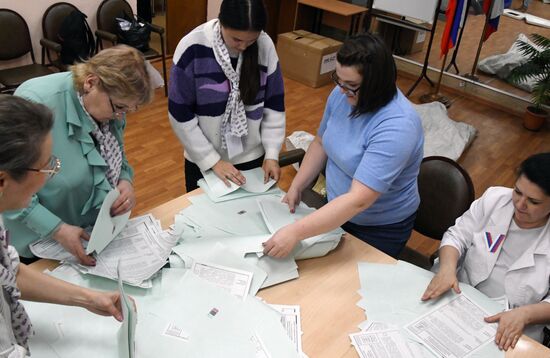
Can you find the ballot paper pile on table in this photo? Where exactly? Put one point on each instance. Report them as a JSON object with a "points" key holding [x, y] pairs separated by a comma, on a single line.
{"points": [[181, 315], [140, 244], [400, 324], [231, 233], [142, 248]]}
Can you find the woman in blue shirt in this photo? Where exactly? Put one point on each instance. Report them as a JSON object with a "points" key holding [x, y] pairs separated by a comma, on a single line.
{"points": [[370, 141]]}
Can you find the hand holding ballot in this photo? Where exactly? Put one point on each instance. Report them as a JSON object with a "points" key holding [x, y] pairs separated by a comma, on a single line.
{"points": [[104, 304], [224, 188], [69, 236], [281, 243], [227, 172], [271, 170], [107, 227], [293, 198], [126, 200]]}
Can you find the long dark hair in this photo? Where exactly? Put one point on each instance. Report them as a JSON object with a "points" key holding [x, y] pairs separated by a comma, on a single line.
{"points": [[536, 168], [246, 15], [374, 61]]}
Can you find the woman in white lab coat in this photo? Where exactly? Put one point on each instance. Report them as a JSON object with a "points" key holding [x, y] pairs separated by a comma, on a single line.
{"points": [[501, 246]]}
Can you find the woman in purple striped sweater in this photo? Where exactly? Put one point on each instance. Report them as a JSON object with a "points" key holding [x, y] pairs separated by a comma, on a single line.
{"points": [[226, 96]]}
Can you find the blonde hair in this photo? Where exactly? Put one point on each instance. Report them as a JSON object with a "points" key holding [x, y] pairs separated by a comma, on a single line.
{"points": [[121, 71]]}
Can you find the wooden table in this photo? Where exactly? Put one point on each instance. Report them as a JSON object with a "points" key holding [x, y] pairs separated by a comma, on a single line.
{"points": [[338, 8], [327, 294]]}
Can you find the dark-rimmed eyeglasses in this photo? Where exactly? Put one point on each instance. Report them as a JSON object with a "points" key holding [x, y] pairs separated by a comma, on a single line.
{"points": [[119, 110], [51, 169], [351, 92]]}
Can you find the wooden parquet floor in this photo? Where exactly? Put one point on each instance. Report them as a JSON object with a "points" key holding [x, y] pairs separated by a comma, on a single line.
{"points": [[501, 144]]}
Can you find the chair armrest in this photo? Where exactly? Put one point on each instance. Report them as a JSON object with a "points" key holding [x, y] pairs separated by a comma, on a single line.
{"points": [[106, 35], [313, 199], [291, 157], [158, 29], [51, 45]]}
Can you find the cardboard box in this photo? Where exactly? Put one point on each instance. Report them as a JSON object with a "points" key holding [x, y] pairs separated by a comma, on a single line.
{"points": [[401, 40], [307, 58]]}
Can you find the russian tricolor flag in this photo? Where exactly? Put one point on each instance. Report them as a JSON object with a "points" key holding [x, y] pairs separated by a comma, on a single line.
{"points": [[455, 14], [493, 13]]}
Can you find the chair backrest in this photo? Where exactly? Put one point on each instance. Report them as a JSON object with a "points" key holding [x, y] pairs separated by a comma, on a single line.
{"points": [[15, 39], [446, 192], [109, 10], [53, 18]]}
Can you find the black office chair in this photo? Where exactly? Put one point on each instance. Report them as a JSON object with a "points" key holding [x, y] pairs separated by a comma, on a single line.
{"points": [[107, 13], [15, 42], [51, 24], [446, 192]]}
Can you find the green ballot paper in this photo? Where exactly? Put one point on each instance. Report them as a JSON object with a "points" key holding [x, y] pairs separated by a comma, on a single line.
{"points": [[106, 227], [127, 332]]}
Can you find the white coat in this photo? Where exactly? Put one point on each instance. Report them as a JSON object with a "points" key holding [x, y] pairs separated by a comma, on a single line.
{"points": [[527, 280]]}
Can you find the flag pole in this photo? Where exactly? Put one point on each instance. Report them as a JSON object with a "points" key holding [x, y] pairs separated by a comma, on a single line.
{"points": [[472, 75], [424, 73], [436, 96], [455, 50]]}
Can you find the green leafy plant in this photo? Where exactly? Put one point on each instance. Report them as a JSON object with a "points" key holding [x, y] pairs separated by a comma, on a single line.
{"points": [[537, 67]]}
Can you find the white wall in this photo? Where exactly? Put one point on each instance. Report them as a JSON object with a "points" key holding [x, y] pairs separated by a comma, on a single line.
{"points": [[32, 11], [213, 9]]}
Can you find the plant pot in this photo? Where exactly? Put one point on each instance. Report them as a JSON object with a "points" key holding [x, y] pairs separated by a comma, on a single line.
{"points": [[534, 118]]}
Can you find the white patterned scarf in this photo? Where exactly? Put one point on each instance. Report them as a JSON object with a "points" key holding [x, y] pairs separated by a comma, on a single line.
{"points": [[20, 322], [234, 119], [109, 148]]}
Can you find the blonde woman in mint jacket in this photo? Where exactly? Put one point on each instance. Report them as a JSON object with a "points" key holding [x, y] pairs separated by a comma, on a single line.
{"points": [[89, 104]]}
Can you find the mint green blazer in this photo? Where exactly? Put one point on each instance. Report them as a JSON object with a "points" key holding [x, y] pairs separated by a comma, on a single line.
{"points": [[76, 193]]}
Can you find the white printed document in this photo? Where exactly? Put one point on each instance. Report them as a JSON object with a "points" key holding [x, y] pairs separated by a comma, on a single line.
{"points": [[234, 281], [291, 320], [373, 326], [455, 329], [381, 344], [51, 249], [142, 249]]}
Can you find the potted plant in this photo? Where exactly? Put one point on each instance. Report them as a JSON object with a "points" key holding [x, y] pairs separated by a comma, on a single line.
{"points": [[537, 68]]}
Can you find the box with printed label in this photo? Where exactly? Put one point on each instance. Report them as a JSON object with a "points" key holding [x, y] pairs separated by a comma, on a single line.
{"points": [[307, 58]]}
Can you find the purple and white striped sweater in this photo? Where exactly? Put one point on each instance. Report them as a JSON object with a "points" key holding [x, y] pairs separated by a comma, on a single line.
{"points": [[198, 93]]}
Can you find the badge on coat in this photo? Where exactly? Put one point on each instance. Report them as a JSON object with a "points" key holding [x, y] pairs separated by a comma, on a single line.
{"points": [[493, 245]]}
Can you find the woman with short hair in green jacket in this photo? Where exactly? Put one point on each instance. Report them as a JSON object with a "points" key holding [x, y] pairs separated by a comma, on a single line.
{"points": [[89, 103]]}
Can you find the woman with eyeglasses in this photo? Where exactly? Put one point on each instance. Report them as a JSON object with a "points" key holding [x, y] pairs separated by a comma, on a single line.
{"points": [[25, 165], [226, 100], [371, 143], [89, 103]]}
